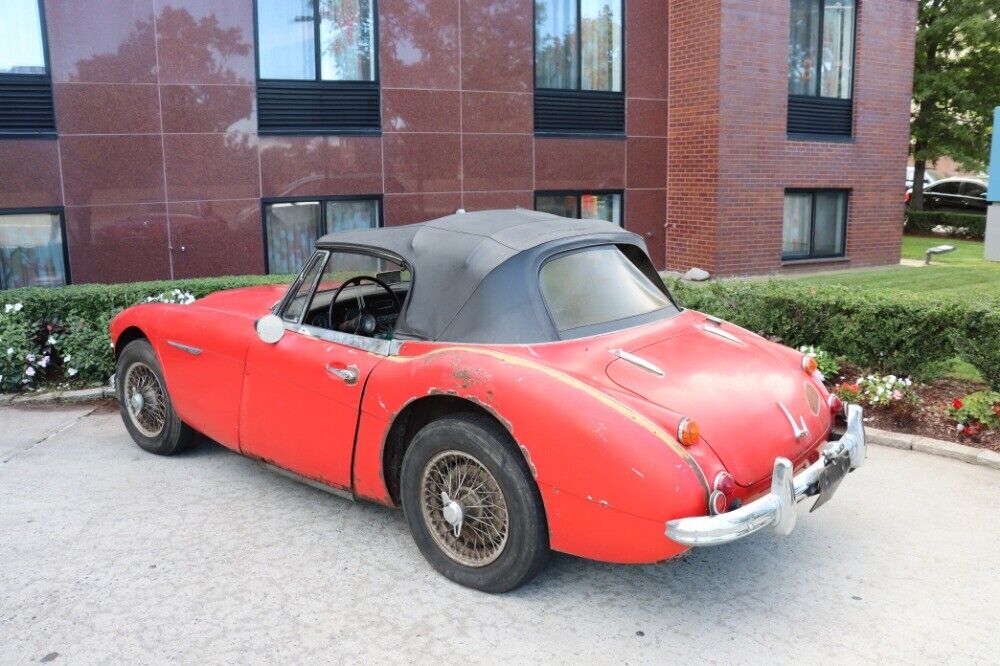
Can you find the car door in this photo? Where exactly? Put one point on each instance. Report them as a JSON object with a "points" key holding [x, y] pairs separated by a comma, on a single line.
{"points": [[302, 394], [974, 196], [944, 196]]}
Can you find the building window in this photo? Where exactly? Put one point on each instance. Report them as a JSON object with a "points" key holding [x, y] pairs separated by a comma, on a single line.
{"points": [[32, 249], [821, 67], [579, 75], [291, 228], [25, 86], [317, 67], [815, 224], [582, 205]]}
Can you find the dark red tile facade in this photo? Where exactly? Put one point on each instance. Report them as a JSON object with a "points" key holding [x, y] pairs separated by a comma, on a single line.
{"points": [[161, 172]]}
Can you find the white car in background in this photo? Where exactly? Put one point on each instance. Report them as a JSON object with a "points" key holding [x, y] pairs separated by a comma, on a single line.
{"points": [[930, 176]]}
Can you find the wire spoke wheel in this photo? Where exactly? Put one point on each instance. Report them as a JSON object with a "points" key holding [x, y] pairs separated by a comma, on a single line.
{"points": [[464, 508], [145, 400]]}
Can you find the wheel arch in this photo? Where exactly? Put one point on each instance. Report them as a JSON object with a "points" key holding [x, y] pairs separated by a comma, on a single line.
{"points": [[127, 336], [418, 413]]}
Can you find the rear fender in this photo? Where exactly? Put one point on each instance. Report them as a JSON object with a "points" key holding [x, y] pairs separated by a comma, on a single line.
{"points": [[575, 438]]}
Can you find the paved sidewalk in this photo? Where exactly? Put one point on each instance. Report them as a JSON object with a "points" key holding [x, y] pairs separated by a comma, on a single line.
{"points": [[112, 555]]}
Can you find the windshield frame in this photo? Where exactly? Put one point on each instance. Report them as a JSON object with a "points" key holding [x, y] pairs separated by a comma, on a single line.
{"points": [[613, 325]]}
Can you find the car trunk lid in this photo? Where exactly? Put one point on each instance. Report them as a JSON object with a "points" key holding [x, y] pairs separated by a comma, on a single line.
{"points": [[744, 397]]}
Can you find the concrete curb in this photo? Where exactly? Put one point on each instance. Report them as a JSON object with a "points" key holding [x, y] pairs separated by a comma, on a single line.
{"points": [[934, 447], [49, 397], [896, 440]]}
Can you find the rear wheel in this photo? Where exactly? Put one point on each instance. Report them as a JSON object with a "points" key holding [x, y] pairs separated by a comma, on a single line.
{"points": [[472, 506], [144, 404]]}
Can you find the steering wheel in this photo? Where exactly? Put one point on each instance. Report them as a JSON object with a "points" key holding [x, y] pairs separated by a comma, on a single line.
{"points": [[364, 323]]}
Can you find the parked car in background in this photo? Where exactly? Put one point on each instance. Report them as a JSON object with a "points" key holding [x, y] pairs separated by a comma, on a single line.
{"points": [[955, 195], [516, 381], [930, 176]]}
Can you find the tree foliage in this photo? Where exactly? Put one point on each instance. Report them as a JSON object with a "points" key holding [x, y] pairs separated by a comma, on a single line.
{"points": [[956, 83]]}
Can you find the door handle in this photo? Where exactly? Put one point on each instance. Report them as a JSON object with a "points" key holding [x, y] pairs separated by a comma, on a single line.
{"points": [[348, 374]]}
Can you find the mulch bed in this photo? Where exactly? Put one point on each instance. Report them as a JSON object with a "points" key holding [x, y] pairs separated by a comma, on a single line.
{"points": [[932, 420]]}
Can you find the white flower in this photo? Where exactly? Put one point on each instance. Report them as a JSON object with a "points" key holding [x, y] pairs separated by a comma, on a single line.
{"points": [[10, 351], [960, 427], [30, 371], [71, 371], [51, 341], [67, 358], [8, 307], [44, 362], [31, 358]]}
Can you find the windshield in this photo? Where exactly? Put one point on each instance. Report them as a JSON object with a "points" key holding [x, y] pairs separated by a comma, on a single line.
{"points": [[598, 285]]}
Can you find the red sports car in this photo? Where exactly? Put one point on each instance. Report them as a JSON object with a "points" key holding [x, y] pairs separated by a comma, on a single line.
{"points": [[516, 381]]}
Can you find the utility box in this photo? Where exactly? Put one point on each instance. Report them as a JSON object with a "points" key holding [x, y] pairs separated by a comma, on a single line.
{"points": [[991, 248]]}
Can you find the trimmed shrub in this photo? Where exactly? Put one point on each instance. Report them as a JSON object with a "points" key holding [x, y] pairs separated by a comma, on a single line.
{"points": [[978, 342], [962, 225], [905, 334]]}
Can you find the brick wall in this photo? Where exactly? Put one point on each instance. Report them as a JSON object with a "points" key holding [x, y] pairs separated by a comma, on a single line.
{"points": [[742, 210]]}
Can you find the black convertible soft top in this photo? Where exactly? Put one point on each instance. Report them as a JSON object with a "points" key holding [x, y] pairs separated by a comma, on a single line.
{"points": [[475, 275]]}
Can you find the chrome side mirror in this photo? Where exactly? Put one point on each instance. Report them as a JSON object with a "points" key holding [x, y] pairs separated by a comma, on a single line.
{"points": [[270, 328]]}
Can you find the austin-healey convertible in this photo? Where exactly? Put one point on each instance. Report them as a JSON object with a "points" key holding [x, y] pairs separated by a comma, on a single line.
{"points": [[517, 382]]}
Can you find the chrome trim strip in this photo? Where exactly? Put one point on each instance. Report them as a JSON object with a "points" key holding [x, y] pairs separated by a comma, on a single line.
{"points": [[637, 361], [195, 351], [726, 335], [777, 508], [372, 345], [319, 485]]}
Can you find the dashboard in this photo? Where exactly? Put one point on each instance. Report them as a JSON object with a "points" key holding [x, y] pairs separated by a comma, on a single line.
{"points": [[377, 303]]}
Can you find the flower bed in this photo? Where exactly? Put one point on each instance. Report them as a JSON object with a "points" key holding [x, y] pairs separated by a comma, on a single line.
{"points": [[919, 408]]}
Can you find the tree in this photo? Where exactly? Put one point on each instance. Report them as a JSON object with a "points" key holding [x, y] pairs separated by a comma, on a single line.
{"points": [[956, 84]]}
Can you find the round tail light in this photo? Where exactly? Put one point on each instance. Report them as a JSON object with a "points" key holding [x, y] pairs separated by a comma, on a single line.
{"points": [[688, 432], [725, 483], [809, 364]]}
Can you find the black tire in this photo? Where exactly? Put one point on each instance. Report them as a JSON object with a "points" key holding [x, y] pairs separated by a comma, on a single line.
{"points": [[173, 436], [474, 438]]}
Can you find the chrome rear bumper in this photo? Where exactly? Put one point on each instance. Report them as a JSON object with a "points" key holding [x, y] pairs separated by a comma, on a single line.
{"points": [[777, 508]]}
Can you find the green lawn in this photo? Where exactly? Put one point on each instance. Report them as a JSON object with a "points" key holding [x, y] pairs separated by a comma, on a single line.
{"points": [[962, 273]]}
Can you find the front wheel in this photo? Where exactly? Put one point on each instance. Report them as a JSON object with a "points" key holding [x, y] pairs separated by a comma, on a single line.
{"points": [[471, 504], [144, 404]]}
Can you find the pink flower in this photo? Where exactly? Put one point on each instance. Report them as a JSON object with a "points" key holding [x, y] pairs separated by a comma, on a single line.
{"points": [[897, 395]]}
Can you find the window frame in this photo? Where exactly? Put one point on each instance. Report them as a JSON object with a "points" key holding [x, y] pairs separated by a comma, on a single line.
{"points": [[317, 91], [819, 100], [609, 98], [578, 195], [321, 200], [34, 80], [44, 210], [813, 192]]}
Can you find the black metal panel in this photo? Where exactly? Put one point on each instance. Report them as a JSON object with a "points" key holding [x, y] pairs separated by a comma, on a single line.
{"points": [[318, 107], [26, 105], [579, 112], [820, 116]]}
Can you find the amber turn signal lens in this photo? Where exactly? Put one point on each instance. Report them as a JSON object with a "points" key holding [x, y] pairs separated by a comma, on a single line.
{"points": [[809, 364], [688, 432]]}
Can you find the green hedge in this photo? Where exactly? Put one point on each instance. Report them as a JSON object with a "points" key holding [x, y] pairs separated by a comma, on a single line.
{"points": [[964, 225], [889, 331], [62, 334], [896, 332]]}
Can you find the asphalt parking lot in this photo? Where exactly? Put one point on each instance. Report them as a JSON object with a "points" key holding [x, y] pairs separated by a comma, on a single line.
{"points": [[112, 555]]}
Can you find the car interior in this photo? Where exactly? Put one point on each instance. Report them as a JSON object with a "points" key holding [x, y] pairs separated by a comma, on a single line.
{"points": [[351, 293]]}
